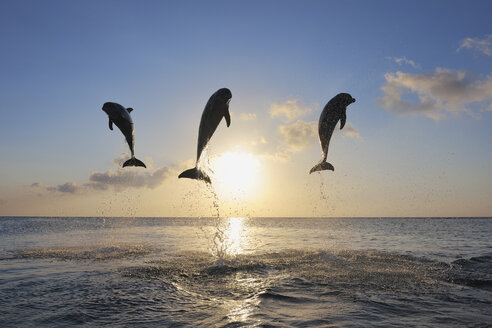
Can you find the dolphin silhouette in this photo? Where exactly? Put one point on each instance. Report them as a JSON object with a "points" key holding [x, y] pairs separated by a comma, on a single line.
{"points": [[120, 116], [216, 108], [334, 111]]}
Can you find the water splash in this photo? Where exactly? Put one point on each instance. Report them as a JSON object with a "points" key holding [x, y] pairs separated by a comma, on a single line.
{"points": [[215, 200], [322, 193], [226, 238]]}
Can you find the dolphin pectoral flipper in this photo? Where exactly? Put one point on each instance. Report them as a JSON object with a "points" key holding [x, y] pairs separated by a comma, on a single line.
{"points": [[343, 119], [321, 166], [196, 174], [134, 162], [227, 116], [110, 125]]}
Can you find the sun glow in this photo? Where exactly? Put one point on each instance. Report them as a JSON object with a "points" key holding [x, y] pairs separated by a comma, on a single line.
{"points": [[237, 174]]}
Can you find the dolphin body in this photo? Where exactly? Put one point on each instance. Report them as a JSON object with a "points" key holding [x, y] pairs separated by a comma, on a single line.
{"points": [[216, 108], [334, 111], [120, 116]]}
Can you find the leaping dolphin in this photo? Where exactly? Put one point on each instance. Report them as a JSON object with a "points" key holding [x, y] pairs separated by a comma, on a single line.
{"points": [[334, 111], [120, 116], [216, 108]]}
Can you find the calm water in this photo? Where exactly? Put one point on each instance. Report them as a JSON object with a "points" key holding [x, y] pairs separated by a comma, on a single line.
{"points": [[246, 272]]}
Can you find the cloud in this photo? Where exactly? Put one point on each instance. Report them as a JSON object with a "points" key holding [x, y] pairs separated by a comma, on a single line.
{"points": [[443, 90], [403, 60], [481, 45], [299, 135], [2, 202], [289, 111], [118, 179], [351, 131], [247, 116], [261, 141], [124, 179], [278, 157], [68, 187]]}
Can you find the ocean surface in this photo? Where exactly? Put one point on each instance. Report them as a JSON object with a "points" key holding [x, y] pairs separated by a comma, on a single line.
{"points": [[245, 272]]}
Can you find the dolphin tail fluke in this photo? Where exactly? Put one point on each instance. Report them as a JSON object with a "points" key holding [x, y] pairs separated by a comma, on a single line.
{"points": [[321, 166], [195, 173], [134, 162]]}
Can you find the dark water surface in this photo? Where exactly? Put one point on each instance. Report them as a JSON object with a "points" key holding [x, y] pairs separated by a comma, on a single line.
{"points": [[235, 272]]}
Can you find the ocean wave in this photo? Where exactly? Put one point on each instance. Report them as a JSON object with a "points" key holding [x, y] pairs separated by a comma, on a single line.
{"points": [[270, 295], [293, 287], [474, 272], [364, 270], [483, 263], [83, 253]]}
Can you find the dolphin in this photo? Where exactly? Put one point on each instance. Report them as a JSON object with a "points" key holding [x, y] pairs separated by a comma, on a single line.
{"points": [[334, 111], [216, 108], [120, 116]]}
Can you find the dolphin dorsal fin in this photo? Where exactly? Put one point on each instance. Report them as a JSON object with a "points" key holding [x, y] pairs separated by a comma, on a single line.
{"points": [[343, 119], [110, 125], [129, 109]]}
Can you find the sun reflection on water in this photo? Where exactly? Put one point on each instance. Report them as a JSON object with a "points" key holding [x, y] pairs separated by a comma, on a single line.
{"points": [[235, 235], [241, 311], [229, 238]]}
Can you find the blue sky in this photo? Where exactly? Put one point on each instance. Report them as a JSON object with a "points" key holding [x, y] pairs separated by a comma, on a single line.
{"points": [[421, 137]]}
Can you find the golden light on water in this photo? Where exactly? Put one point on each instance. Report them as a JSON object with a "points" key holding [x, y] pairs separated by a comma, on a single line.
{"points": [[235, 235], [237, 174], [230, 238], [237, 241]]}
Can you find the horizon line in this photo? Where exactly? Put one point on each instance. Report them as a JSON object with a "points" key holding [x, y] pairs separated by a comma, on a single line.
{"points": [[252, 217]]}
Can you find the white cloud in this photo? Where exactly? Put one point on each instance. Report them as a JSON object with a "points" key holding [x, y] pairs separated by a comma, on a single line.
{"points": [[443, 90], [299, 135], [247, 116], [258, 142], [482, 45], [403, 60], [289, 111], [119, 179], [351, 131], [68, 187], [277, 157], [124, 178]]}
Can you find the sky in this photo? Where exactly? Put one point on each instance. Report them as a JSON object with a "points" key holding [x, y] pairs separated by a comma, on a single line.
{"points": [[417, 141]]}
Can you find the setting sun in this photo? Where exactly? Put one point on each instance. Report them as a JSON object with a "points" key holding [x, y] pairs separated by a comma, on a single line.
{"points": [[237, 174]]}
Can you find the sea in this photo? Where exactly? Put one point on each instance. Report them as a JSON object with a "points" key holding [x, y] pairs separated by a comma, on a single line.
{"points": [[245, 272]]}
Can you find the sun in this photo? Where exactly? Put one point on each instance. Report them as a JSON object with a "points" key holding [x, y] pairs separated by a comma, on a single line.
{"points": [[236, 174]]}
